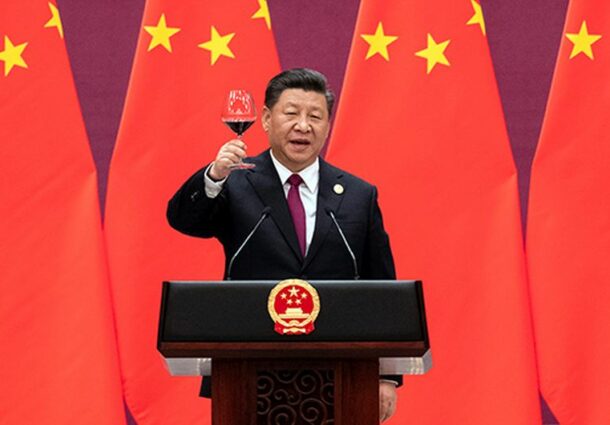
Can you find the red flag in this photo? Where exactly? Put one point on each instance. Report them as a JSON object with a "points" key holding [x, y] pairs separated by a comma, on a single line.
{"points": [[420, 117], [59, 362], [568, 232], [190, 54]]}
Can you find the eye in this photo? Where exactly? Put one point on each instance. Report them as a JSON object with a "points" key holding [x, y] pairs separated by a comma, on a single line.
{"points": [[315, 117], [291, 113]]}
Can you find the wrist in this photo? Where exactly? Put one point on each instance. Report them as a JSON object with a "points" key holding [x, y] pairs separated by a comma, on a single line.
{"points": [[212, 174]]}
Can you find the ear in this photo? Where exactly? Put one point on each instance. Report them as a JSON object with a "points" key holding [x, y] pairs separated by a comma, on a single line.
{"points": [[266, 119]]}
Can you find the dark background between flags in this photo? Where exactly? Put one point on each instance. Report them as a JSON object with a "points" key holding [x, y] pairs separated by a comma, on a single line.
{"points": [[523, 36]]}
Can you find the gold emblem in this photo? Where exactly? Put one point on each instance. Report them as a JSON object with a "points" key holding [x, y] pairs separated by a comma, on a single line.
{"points": [[293, 305], [338, 189]]}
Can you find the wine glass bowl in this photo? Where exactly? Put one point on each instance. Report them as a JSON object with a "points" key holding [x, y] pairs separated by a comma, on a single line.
{"points": [[239, 113]]}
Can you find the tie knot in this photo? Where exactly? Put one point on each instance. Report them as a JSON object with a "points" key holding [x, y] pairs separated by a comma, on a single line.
{"points": [[295, 180]]}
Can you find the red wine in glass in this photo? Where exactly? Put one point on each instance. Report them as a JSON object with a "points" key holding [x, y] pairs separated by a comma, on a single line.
{"points": [[239, 127], [239, 113]]}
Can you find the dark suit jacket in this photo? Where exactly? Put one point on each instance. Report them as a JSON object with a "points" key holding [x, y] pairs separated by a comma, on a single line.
{"points": [[273, 251]]}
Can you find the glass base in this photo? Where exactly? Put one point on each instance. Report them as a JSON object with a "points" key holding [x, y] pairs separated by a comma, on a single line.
{"points": [[242, 166]]}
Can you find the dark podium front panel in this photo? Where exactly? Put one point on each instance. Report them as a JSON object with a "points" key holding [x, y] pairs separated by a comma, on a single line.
{"points": [[237, 311], [200, 320]]}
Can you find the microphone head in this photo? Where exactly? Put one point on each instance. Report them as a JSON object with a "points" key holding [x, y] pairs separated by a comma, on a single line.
{"points": [[266, 210], [329, 211]]}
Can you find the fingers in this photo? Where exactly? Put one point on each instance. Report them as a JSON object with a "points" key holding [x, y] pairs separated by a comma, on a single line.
{"points": [[231, 153], [387, 400]]}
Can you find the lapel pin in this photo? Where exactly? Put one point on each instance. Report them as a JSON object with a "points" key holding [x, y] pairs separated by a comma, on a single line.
{"points": [[338, 189]]}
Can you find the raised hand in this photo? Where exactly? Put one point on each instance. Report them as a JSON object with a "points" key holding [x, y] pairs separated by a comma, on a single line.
{"points": [[229, 156]]}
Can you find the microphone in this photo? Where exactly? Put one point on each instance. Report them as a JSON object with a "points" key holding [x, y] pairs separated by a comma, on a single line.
{"points": [[264, 215], [349, 249]]}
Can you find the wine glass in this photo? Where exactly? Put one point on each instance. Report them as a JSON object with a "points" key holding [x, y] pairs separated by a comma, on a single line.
{"points": [[239, 113]]}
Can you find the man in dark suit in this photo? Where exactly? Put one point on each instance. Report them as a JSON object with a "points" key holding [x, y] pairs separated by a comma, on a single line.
{"points": [[299, 191]]}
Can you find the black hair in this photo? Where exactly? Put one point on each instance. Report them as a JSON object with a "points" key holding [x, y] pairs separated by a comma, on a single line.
{"points": [[298, 78]]}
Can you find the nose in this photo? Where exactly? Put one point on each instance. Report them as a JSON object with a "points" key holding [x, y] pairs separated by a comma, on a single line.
{"points": [[303, 124]]}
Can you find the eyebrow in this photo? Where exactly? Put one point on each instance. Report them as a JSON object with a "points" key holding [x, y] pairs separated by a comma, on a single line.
{"points": [[294, 105]]}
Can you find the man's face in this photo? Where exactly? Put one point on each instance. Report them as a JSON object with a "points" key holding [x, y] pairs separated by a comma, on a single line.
{"points": [[297, 127]]}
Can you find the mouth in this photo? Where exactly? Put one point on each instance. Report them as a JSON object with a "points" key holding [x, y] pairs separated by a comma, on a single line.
{"points": [[299, 142]]}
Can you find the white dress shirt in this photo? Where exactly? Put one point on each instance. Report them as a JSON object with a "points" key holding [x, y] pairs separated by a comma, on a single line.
{"points": [[308, 191]]}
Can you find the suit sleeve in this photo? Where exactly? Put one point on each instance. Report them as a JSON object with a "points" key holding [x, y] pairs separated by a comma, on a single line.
{"points": [[377, 261], [191, 212]]}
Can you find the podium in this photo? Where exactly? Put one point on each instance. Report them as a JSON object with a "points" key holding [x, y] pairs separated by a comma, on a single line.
{"points": [[263, 374]]}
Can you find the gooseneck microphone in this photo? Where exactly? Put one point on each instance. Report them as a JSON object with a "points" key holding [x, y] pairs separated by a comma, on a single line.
{"points": [[264, 215], [349, 249]]}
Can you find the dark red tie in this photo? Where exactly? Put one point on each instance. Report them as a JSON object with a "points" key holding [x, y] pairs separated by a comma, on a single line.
{"points": [[296, 209]]}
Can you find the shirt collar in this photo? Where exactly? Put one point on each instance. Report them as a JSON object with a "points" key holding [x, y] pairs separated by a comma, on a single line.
{"points": [[310, 174]]}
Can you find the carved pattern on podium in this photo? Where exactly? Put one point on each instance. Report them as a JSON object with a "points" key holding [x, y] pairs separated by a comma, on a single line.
{"points": [[295, 397]]}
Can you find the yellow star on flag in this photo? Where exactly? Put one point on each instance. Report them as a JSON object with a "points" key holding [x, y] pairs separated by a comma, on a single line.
{"points": [[11, 55], [583, 41], [434, 53], [263, 13], [218, 45], [477, 18], [55, 21], [378, 43], [161, 34]]}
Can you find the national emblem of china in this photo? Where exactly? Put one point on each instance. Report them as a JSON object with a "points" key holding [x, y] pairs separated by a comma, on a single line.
{"points": [[294, 305]]}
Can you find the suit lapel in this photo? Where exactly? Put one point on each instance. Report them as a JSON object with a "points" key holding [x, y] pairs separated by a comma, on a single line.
{"points": [[328, 199], [266, 182]]}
